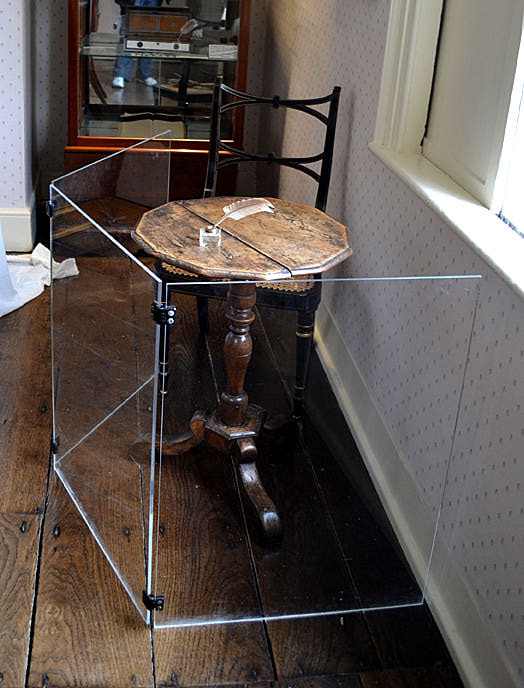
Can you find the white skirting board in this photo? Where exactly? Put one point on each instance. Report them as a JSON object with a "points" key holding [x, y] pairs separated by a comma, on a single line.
{"points": [[19, 228], [469, 640]]}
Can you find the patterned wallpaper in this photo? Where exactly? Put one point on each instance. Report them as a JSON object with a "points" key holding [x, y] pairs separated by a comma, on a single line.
{"points": [[311, 47], [50, 88], [15, 153]]}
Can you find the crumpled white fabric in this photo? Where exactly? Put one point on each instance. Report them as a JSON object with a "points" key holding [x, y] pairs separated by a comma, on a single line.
{"points": [[24, 276]]}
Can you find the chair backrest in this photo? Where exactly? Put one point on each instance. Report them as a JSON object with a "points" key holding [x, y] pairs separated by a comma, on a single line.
{"points": [[239, 99]]}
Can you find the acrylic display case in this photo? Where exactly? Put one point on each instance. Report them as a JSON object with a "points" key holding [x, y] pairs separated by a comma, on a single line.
{"points": [[177, 529]]}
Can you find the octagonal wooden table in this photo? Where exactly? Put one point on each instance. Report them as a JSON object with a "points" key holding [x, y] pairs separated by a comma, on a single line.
{"points": [[295, 240]]}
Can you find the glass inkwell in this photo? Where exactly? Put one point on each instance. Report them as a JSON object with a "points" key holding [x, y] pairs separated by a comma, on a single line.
{"points": [[211, 235]]}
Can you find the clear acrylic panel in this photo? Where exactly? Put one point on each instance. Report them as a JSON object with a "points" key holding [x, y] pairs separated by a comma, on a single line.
{"points": [[104, 348], [171, 496], [388, 352]]}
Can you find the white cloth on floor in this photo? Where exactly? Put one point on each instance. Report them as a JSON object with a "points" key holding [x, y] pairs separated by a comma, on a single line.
{"points": [[24, 276]]}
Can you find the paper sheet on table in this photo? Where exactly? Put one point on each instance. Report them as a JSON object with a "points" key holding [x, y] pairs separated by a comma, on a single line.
{"points": [[23, 277]]}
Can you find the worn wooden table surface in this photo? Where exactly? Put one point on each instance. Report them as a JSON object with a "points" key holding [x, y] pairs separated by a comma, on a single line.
{"points": [[292, 241]]}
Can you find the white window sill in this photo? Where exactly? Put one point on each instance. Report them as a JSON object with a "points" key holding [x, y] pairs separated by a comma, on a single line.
{"points": [[491, 238]]}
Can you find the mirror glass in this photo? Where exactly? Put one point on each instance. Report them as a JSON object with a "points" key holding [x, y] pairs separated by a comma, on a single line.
{"points": [[150, 65]]}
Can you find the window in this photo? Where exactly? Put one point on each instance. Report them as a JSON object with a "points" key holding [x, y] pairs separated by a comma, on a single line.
{"points": [[472, 88], [508, 200], [434, 170]]}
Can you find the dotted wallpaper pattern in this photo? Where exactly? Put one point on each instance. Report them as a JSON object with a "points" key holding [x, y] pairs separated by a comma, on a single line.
{"points": [[14, 157], [50, 87], [413, 365], [397, 335], [254, 84]]}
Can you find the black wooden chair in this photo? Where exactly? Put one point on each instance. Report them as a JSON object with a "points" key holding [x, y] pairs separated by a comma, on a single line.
{"points": [[300, 296]]}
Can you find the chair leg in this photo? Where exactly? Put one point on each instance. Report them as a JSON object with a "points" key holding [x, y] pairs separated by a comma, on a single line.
{"points": [[305, 327], [203, 315]]}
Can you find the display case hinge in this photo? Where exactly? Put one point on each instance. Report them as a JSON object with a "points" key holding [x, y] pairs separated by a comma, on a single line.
{"points": [[163, 315], [55, 443], [153, 602], [50, 208]]}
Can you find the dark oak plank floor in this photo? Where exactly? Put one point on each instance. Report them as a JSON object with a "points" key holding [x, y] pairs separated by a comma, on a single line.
{"points": [[25, 406], [18, 556], [86, 630], [71, 622]]}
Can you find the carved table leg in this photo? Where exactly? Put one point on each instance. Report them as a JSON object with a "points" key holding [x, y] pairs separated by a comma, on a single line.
{"points": [[260, 500], [237, 350], [233, 409], [173, 445]]}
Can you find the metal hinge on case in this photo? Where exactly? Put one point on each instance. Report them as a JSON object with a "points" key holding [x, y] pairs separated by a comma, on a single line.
{"points": [[163, 315], [50, 208], [55, 442], [152, 602]]}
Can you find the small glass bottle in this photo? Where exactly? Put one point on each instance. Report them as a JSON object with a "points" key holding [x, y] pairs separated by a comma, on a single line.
{"points": [[210, 236]]}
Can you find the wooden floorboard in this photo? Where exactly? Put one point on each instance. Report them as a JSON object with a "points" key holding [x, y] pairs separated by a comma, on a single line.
{"points": [[406, 637], [19, 536], [306, 572], [25, 422], [87, 633], [204, 570], [344, 681], [25, 406], [112, 492], [417, 677], [322, 646], [378, 567], [211, 655]]}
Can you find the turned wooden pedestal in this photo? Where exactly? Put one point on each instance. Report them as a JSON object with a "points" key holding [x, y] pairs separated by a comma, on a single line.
{"points": [[235, 425], [295, 240]]}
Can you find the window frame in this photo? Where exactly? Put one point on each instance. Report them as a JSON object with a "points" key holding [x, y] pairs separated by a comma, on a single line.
{"points": [[472, 158], [407, 74], [405, 90]]}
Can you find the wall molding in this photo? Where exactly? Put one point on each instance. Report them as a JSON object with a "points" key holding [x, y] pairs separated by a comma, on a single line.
{"points": [[19, 227], [451, 601]]}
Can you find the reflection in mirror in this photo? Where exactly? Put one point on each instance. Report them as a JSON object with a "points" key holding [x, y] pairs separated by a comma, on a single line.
{"points": [[150, 65]]}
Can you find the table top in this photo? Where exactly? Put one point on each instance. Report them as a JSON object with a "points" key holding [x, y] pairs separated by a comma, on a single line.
{"points": [[294, 240]]}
